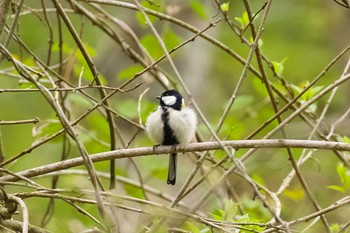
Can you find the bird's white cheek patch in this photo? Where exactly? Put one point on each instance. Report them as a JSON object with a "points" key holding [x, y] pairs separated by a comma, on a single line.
{"points": [[169, 100]]}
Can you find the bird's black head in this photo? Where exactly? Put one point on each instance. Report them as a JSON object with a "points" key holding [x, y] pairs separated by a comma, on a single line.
{"points": [[171, 99]]}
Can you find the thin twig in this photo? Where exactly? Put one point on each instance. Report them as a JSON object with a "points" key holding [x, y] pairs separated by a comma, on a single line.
{"points": [[19, 122], [25, 215]]}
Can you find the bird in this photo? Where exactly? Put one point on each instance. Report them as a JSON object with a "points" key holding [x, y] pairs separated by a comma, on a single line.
{"points": [[172, 123]]}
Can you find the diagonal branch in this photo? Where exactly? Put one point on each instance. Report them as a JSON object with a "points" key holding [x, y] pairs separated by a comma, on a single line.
{"points": [[97, 79], [4, 8]]}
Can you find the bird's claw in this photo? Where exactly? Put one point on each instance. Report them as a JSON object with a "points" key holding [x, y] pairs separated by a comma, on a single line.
{"points": [[155, 147], [173, 147]]}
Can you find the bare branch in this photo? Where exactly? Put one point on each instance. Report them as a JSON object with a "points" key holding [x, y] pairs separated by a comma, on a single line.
{"points": [[18, 122], [4, 8], [203, 146]]}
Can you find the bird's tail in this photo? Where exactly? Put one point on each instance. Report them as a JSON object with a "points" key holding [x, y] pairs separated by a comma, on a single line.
{"points": [[172, 169]]}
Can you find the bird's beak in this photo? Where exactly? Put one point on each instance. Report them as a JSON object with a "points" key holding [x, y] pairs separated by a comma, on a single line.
{"points": [[158, 97]]}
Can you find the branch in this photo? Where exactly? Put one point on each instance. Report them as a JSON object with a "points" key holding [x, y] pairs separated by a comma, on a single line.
{"points": [[16, 226], [17, 122], [24, 213], [4, 8], [343, 202], [203, 146]]}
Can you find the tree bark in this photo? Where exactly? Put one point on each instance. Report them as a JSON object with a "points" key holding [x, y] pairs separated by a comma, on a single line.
{"points": [[4, 8]]}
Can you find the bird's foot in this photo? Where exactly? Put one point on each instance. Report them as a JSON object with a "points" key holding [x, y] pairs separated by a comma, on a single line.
{"points": [[173, 147], [155, 147]]}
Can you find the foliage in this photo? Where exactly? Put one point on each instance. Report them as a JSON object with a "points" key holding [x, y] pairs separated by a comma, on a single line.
{"points": [[344, 176], [78, 80]]}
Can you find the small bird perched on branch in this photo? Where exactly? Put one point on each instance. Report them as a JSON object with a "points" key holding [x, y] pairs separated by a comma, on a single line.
{"points": [[172, 124]]}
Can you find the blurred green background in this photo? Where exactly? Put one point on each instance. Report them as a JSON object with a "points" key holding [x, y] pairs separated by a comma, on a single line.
{"points": [[305, 35]]}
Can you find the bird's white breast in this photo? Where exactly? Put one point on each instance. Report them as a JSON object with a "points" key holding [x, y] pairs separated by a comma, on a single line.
{"points": [[154, 126], [183, 123]]}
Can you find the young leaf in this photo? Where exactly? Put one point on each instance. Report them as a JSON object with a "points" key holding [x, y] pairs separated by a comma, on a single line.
{"points": [[230, 209], [337, 188], [296, 89], [192, 227], [133, 191], [151, 43], [225, 6], [278, 67], [344, 139], [341, 170], [334, 228], [344, 175], [170, 38], [244, 20], [309, 94], [260, 42], [295, 194]]}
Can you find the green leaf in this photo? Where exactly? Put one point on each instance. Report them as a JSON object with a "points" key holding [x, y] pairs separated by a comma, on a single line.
{"points": [[260, 42], [218, 214], [247, 219], [159, 173], [311, 109], [216, 217], [296, 89], [337, 188], [244, 20], [65, 48], [259, 179], [151, 44], [81, 67], [170, 38], [225, 6], [344, 139], [334, 228], [313, 91], [133, 191], [99, 125], [344, 175], [192, 227], [230, 209], [25, 84], [278, 67], [222, 212], [130, 71], [309, 94], [243, 218], [259, 87], [295, 194], [341, 170]]}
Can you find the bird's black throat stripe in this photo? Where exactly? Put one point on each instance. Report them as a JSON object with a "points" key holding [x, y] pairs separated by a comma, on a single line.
{"points": [[169, 137]]}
